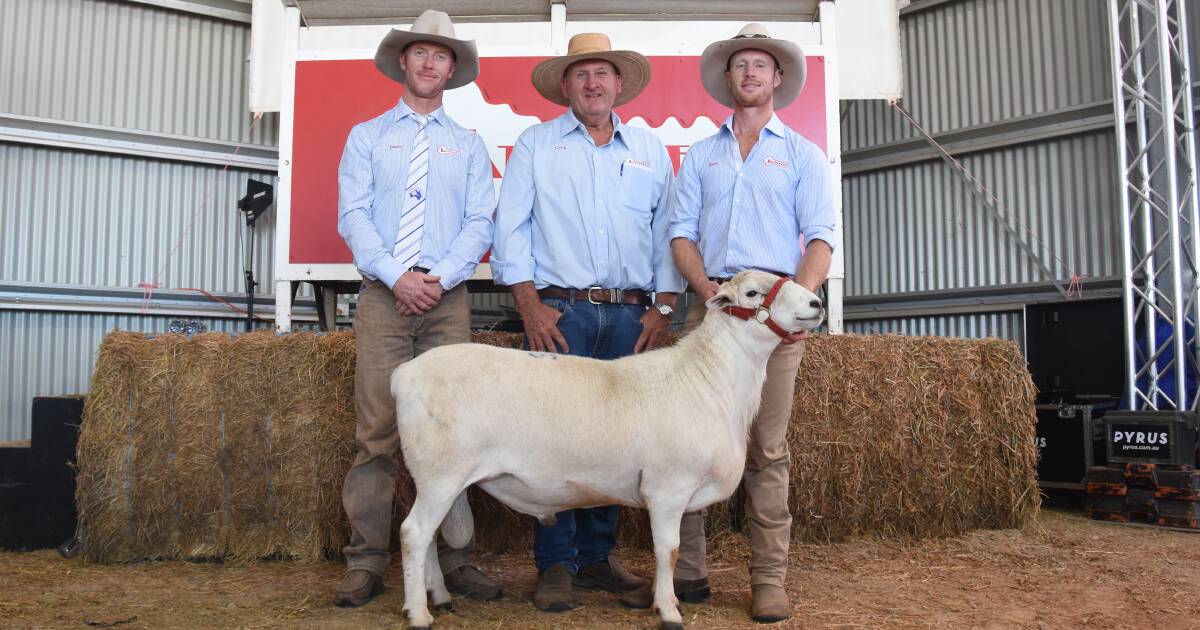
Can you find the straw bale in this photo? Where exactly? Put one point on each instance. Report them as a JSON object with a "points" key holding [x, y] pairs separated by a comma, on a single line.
{"points": [[248, 527], [236, 447], [103, 453], [200, 419], [910, 437], [152, 497]]}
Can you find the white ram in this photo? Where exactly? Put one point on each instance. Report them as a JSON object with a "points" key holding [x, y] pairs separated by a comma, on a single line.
{"points": [[663, 430]]}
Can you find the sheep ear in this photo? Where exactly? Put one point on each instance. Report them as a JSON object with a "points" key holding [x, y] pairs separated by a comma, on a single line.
{"points": [[723, 297]]}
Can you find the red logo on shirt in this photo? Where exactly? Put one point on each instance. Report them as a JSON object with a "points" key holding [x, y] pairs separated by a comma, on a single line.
{"points": [[711, 164], [773, 162], [445, 150]]}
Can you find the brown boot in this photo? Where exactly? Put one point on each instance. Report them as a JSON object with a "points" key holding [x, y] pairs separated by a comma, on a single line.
{"points": [[688, 591], [610, 576], [553, 592], [469, 581], [358, 587], [769, 603]]}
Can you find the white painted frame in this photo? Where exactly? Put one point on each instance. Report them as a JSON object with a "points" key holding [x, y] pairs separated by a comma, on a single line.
{"points": [[517, 39]]}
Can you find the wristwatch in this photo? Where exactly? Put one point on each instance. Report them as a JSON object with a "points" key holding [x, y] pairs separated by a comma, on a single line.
{"points": [[666, 310]]}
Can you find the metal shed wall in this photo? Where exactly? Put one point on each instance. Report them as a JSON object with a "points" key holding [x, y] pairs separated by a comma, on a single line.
{"points": [[128, 65], [1020, 92]]}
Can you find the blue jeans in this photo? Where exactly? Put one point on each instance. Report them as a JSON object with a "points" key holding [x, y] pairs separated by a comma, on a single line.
{"points": [[583, 537]]}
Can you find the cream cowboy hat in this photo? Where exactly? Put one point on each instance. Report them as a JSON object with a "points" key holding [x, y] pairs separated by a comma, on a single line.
{"points": [[715, 58], [431, 26], [633, 68]]}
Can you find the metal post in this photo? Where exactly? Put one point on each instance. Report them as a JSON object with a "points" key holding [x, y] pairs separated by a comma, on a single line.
{"points": [[1160, 219]]}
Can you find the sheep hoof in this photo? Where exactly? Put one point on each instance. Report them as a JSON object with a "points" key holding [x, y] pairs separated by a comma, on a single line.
{"points": [[444, 606], [670, 625]]}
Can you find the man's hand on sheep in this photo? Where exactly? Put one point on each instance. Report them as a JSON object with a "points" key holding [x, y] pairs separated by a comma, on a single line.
{"points": [[416, 292]]}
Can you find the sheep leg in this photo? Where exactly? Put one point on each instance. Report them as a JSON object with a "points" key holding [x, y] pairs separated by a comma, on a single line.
{"points": [[435, 583], [664, 527], [417, 537]]}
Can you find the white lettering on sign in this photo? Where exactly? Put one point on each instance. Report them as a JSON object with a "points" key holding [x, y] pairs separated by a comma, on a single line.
{"points": [[1139, 437]]}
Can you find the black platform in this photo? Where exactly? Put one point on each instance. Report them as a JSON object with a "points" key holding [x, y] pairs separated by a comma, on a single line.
{"points": [[37, 482]]}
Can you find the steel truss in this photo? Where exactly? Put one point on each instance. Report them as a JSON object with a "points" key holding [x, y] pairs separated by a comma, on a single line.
{"points": [[1160, 219]]}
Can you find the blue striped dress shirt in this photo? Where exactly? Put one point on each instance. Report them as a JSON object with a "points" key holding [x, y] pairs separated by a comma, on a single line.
{"points": [[575, 215], [461, 196], [752, 214]]}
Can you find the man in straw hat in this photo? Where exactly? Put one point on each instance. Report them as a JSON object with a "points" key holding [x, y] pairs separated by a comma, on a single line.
{"points": [[746, 199], [581, 239], [415, 203]]}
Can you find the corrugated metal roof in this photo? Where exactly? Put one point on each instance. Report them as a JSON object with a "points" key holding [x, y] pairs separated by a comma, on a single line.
{"points": [[341, 12]]}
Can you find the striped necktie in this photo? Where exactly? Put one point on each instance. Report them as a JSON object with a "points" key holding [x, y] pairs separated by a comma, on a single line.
{"points": [[408, 236]]}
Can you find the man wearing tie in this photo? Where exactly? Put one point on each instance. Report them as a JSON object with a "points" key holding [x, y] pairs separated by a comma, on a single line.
{"points": [[415, 202]]}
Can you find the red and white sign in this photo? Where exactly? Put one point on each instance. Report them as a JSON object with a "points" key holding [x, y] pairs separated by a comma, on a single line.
{"points": [[331, 96]]}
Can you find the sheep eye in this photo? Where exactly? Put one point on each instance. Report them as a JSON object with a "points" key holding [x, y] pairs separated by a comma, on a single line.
{"points": [[751, 293]]}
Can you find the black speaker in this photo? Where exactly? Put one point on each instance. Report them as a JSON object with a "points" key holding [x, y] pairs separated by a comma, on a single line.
{"points": [[1076, 350], [37, 483]]}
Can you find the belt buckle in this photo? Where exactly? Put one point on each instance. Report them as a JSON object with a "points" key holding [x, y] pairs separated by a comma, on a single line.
{"points": [[613, 295]]}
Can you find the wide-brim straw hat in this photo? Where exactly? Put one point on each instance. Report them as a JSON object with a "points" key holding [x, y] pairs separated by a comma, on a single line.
{"points": [[431, 26], [791, 61], [633, 68]]}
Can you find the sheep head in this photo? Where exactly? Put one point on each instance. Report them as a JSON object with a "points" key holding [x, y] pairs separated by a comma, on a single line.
{"points": [[793, 309]]}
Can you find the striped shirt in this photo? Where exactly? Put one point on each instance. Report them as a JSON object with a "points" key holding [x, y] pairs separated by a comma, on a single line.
{"points": [[575, 215], [461, 196], [753, 214]]}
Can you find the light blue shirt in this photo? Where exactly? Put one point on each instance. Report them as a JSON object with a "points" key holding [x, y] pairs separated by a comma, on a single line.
{"points": [[460, 197], [752, 214], [575, 215]]}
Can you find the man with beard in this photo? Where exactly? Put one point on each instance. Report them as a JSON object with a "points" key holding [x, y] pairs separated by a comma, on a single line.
{"points": [[415, 202], [746, 199], [581, 239]]}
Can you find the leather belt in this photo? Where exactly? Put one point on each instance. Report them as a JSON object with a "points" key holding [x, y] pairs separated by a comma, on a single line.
{"points": [[599, 295]]}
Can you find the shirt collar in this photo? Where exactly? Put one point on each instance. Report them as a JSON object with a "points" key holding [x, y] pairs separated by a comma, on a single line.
{"points": [[568, 123], [774, 125], [403, 111]]}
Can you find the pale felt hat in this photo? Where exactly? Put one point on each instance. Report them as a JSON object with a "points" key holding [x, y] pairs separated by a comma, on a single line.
{"points": [[633, 67], [754, 36], [430, 26]]}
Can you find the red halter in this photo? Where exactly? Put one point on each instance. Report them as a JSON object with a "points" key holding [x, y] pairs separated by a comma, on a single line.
{"points": [[762, 314]]}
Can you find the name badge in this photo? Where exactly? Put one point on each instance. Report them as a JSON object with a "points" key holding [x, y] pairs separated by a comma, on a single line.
{"points": [[445, 150], [638, 164]]}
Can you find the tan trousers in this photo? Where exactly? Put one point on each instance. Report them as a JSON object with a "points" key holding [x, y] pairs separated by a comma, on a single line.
{"points": [[765, 478], [384, 339]]}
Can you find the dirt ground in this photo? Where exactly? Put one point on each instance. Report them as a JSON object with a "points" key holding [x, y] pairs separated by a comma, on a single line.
{"points": [[1062, 572]]}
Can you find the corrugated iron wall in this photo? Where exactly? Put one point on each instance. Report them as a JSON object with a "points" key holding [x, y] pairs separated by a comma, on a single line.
{"points": [[128, 65], [1003, 325], [1000, 80], [85, 219], [79, 218], [973, 62], [917, 228]]}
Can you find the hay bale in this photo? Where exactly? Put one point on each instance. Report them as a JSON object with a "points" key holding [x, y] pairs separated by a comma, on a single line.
{"points": [[101, 500], [236, 447], [910, 437], [200, 481]]}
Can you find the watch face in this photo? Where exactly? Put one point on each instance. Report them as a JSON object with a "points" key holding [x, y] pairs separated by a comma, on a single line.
{"points": [[665, 310]]}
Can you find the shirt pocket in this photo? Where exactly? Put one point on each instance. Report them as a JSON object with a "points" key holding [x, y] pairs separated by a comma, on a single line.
{"points": [[638, 189]]}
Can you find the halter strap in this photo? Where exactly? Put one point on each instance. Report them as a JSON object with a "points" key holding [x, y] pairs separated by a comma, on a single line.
{"points": [[762, 313]]}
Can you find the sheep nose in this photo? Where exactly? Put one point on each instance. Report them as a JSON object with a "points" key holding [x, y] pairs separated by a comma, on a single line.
{"points": [[815, 303]]}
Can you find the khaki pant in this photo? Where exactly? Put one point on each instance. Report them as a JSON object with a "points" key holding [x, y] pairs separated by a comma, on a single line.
{"points": [[384, 339], [765, 479]]}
